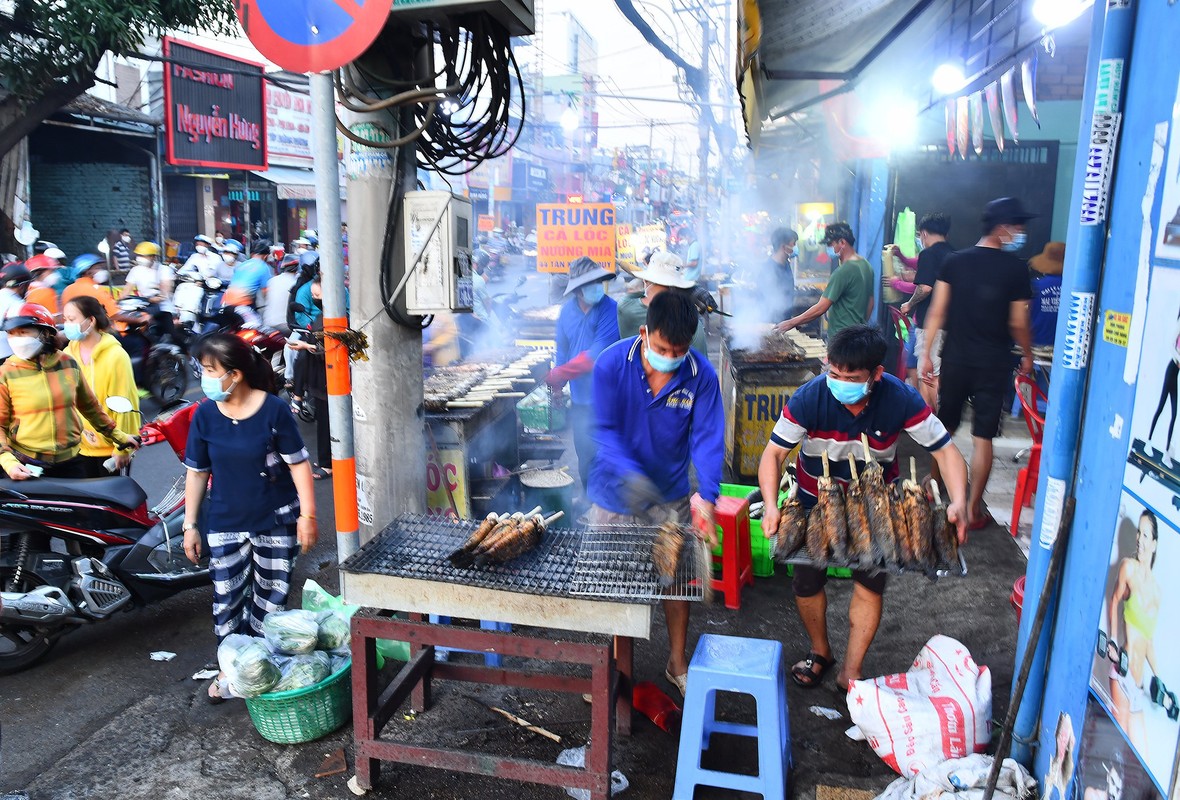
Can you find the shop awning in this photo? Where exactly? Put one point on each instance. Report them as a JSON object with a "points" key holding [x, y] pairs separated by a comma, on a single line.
{"points": [[292, 183]]}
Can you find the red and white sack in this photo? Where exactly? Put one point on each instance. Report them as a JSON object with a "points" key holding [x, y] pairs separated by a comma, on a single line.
{"points": [[940, 709]]}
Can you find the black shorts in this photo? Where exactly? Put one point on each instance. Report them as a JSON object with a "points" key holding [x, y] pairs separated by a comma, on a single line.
{"points": [[809, 581], [985, 387]]}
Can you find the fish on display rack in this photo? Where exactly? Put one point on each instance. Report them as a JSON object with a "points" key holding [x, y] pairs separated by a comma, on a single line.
{"points": [[876, 493], [1028, 84], [991, 94], [977, 123], [950, 125], [1008, 99], [919, 520], [522, 538]]}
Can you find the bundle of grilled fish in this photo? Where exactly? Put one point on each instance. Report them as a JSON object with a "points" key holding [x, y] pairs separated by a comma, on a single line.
{"points": [[919, 521], [878, 508], [946, 533], [791, 535], [827, 532], [861, 547], [500, 539]]}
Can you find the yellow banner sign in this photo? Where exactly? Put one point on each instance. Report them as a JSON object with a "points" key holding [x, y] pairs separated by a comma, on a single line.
{"points": [[632, 244], [567, 231]]}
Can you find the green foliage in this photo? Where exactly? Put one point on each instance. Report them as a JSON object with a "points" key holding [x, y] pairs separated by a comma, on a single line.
{"points": [[48, 42]]}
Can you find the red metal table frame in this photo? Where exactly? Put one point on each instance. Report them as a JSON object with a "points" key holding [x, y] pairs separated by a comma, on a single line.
{"points": [[610, 667]]}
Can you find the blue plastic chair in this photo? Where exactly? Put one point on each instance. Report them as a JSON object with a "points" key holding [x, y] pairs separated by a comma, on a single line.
{"points": [[489, 659], [747, 666]]}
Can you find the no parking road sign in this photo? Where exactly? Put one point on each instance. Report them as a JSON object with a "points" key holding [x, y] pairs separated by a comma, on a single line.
{"points": [[312, 35]]}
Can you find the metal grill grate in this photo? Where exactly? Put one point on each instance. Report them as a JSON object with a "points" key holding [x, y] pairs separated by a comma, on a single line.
{"points": [[615, 561], [958, 569], [611, 562]]}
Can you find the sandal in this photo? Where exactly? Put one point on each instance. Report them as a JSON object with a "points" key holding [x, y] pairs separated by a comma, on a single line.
{"points": [[214, 694], [983, 522], [803, 674], [319, 473], [679, 681]]}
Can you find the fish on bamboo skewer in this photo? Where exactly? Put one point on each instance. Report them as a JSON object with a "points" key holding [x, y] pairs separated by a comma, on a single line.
{"points": [[666, 550], [1028, 85], [991, 94], [877, 506], [483, 536], [524, 538], [791, 535], [860, 534], [830, 498], [473, 541], [946, 533], [1008, 101], [919, 520], [506, 528], [817, 548]]}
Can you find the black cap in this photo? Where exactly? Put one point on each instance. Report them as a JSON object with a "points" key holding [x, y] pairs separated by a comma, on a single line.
{"points": [[1005, 211], [837, 231]]}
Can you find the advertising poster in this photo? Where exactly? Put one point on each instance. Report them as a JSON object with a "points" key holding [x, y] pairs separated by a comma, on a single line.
{"points": [[1136, 669], [1168, 241], [567, 231], [1153, 465], [1107, 768]]}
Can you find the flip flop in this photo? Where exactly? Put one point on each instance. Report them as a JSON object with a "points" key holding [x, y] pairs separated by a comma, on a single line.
{"points": [[803, 675], [214, 693], [319, 473], [679, 681]]}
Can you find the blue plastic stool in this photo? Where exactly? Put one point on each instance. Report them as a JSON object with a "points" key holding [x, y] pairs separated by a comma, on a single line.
{"points": [[749, 666], [489, 659]]}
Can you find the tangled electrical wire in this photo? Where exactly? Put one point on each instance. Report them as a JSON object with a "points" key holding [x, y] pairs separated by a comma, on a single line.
{"points": [[469, 110]]}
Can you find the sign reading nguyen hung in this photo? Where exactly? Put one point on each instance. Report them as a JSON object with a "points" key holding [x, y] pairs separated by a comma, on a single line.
{"points": [[214, 113], [567, 231]]}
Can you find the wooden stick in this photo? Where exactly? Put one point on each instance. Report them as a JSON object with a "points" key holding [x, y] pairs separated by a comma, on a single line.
{"points": [[524, 723], [824, 456], [852, 465], [550, 520], [913, 469], [864, 440], [534, 511]]}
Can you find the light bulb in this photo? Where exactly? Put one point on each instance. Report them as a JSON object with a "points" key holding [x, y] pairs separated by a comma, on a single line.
{"points": [[947, 78], [1056, 13]]}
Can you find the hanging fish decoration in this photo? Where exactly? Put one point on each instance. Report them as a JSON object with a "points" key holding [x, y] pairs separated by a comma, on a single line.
{"points": [[992, 95], [950, 126], [977, 123], [1008, 98], [962, 116], [1028, 84]]}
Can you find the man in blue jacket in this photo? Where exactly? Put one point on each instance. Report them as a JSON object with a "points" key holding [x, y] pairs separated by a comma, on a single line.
{"points": [[657, 409], [587, 325]]}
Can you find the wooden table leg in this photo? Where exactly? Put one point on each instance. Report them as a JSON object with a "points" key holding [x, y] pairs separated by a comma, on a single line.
{"points": [[598, 751], [624, 663], [364, 694], [420, 696]]}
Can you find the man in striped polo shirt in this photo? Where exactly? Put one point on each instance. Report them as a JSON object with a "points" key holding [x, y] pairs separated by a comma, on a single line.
{"points": [[828, 414]]}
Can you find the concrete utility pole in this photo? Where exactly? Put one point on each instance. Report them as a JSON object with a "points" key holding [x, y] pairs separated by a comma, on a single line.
{"points": [[327, 190], [390, 442], [702, 224]]}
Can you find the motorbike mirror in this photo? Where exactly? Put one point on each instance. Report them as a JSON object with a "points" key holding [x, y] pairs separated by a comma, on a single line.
{"points": [[120, 405]]}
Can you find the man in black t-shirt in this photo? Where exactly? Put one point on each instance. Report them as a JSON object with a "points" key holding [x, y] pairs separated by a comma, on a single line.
{"points": [[932, 231], [981, 296]]}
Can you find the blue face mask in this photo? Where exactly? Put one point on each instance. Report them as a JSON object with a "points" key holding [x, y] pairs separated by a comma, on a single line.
{"points": [[74, 332], [847, 392], [832, 254], [593, 293], [918, 243], [212, 388], [662, 363], [1018, 240]]}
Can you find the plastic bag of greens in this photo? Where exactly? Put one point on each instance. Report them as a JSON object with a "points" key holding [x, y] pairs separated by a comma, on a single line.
{"points": [[340, 661], [299, 672], [334, 634], [317, 598], [248, 666], [291, 632]]}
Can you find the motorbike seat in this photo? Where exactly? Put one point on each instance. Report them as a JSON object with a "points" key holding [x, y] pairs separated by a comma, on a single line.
{"points": [[117, 489]]}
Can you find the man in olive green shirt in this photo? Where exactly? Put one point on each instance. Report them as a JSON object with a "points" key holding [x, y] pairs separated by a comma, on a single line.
{"points": [[848, 300], [663, 271]]}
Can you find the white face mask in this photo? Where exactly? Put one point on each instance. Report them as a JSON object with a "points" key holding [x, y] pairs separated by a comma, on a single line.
{"points": [[102, 276], [202, 249], [126, 238], [300, 251], [143, 261], [228, 258], [26, 347]]}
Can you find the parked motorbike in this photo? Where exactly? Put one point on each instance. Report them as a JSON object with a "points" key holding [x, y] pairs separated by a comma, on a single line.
{"points": [[158, 361], [73, 552]]}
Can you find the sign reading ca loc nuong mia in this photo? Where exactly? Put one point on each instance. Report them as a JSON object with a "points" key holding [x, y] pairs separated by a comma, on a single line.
{"points": [[567, 231], [214, 113]]}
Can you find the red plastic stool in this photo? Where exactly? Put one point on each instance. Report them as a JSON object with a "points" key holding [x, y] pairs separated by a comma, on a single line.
{"points": [[737, 562]]}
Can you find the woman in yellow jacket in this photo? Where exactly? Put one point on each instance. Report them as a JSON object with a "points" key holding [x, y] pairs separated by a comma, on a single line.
{"points": [[107, 370]]}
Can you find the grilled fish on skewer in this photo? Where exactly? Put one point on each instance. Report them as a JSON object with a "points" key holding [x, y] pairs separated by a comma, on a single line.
{"points": [[473, 541], [919, 520], [666, 550], [524, 538], [946, 535], [877, 506], [817, 548], [860, 534], [831, 500], [901, 527], [792, 527], [505, 527]]}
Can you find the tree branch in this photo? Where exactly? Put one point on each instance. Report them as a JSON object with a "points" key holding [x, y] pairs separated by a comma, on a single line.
{"points": [[27, 120]]}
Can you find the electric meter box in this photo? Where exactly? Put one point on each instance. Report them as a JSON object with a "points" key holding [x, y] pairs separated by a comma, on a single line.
{"points": [[438, 232]]}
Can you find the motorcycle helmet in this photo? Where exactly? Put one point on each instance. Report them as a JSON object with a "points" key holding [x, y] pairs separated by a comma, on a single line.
{"points": [[30, 315], [289, 263], [55, 253], [82, 263], [310, 261], [38, 263], [232, 246], [260, 247], [14, 274], [207, 241], [147, 249]]}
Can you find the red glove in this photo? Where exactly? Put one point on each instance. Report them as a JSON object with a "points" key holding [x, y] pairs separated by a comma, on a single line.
{"points": [[575, 368]]}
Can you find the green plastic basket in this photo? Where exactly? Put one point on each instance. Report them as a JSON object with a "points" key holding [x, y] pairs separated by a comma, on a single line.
{"points": [[304, 715]]}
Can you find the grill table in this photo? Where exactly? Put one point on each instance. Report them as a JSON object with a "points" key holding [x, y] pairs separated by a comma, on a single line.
{"points": [[590, 591]]}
